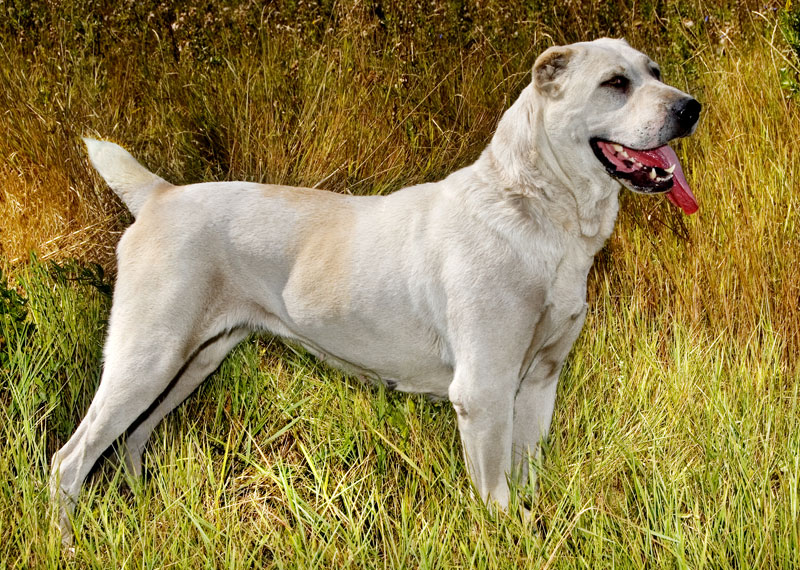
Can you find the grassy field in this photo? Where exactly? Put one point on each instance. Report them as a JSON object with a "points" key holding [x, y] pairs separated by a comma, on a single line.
{"points": [[675, 441]]}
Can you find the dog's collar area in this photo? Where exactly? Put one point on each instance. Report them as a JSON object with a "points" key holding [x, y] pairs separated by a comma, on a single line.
{"points": [[646, 171]]}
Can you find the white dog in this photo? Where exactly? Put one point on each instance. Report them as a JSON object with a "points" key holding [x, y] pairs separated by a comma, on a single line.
{"points": [[472, 288]]}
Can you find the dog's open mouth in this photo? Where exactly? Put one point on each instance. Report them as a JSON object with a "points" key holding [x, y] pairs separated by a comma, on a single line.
{"points": [[653, 171]]}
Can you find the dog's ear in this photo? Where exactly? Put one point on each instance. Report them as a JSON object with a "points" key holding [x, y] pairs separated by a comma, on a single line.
{"points": [[549, 68]]}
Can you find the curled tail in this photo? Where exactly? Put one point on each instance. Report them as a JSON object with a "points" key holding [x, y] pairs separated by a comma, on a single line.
{"points": [[131, 181]]}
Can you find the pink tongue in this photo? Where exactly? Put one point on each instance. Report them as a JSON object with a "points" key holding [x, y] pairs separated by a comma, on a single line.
{"points": [[663, 157]]}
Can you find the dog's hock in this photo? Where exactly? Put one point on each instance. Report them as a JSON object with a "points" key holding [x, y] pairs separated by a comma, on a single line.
{"points": [[549, 68]]}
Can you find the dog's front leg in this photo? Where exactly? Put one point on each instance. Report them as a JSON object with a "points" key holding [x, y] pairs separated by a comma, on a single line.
{"points": [[533, 412], [484, 404], [536, 397]]}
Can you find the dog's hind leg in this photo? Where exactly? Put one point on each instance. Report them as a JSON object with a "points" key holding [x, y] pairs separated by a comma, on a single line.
{"points": [[204, 362], [138, 368]]}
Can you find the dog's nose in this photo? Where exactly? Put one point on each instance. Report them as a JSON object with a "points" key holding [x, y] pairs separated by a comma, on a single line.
{"points": [[688, 112]]}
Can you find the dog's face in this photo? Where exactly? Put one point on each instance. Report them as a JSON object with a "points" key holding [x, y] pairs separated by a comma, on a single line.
{"points": [[606, 102]]}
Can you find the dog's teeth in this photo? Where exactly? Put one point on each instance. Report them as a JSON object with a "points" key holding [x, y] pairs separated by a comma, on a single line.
{"points": [[625, 154], [652, 174], [617, 148], [671, 169]]}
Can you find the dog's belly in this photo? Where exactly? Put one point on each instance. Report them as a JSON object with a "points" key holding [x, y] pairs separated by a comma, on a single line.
{"points": [[380, 362], [396, 350]]}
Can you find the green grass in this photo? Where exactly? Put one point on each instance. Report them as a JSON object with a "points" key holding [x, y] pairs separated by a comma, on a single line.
{"points": [[670, 448], [675, 440]]}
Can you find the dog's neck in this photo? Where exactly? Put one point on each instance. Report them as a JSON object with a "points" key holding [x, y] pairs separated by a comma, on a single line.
{"points": [[522, 160]]}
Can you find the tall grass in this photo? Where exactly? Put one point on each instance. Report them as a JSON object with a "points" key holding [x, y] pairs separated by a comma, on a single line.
{"points": [[674, 441]]}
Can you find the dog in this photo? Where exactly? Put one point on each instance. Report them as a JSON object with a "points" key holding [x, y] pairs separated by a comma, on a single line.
{"points": [[472, 288]]}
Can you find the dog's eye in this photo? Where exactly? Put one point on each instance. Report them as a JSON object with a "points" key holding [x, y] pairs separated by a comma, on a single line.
{"points": [[656, 73], [617, 82]]}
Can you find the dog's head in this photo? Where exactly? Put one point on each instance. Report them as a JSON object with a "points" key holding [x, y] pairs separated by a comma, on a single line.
{"points": [[608, 99]]}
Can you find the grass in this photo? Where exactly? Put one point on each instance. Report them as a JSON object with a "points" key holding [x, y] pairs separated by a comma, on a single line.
{"points": [[674, 441]]}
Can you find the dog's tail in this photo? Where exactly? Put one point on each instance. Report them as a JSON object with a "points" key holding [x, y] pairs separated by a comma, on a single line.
{"points": [[131, 181]]}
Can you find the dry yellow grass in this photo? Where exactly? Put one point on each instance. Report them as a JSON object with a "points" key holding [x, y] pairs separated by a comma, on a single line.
{"points": [[356, 111], [733, 269]]}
